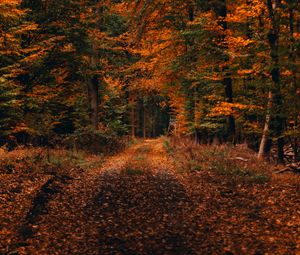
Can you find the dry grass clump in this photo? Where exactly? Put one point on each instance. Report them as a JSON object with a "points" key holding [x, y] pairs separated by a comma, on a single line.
{"points": [[232, 161]]}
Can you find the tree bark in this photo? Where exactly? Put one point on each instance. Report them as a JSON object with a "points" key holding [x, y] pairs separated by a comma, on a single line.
{"points": [[93, 88], [132, 116], [144, 120], [227, 80], [294, 86], [262, 153], [273, 38], [93, 80], [93, 93]]}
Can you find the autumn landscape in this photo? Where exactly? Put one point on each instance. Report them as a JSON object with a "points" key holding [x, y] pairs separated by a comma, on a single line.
{"points": [[149, 127]]}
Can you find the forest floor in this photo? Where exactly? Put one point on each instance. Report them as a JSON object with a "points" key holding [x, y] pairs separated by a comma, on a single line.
{"points": [[156, 197]]}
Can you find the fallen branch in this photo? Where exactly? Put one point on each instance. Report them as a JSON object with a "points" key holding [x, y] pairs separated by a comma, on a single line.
{"points": [[240, 158], [295, 167], [283, 170]]}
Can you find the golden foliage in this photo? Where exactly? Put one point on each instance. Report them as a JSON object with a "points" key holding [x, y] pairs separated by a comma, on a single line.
{"points": [[228, 109]]}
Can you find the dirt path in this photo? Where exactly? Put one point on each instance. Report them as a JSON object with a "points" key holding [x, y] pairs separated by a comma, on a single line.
{"points": [[114, 209], [137, 203]]}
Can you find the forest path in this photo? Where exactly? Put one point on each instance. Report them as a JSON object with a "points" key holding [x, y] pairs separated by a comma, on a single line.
{"points": [[133, 204], [138, 203], [149, 154]]}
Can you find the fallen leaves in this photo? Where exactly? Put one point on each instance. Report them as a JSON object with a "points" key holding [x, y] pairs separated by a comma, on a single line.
{"points": [[110, 210]]}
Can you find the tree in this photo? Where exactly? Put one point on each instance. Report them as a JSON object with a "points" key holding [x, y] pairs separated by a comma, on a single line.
{"points": [[83, 47], [12, 57]]}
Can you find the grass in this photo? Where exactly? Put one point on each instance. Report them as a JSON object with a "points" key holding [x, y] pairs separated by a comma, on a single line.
{"points": [[168, 147], [132, 171], [143, 149], [43, 161], [240, 173], [223, 160]]}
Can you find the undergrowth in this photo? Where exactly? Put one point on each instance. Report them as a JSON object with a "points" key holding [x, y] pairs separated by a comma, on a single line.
{"points": [[45, 161], [240, 172], [238, 163]]}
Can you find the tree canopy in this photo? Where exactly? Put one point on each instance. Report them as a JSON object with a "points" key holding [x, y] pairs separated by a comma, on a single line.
{"points": [[204, 69]]}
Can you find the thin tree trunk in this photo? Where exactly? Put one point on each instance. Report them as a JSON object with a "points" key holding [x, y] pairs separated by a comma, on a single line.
{"points": [[153, 121], [144, 121], [273, 37], [93, 92], [265, 135], [229, 98], [292, 60], [191, 93], [93, 89], [132, 117], [93, 79], [227, 81]]}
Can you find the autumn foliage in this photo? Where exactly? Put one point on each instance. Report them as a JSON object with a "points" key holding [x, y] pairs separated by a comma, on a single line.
{"points": [[214, 84], [225, 69]]}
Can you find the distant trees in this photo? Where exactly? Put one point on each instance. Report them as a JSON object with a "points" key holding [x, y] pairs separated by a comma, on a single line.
{"points": [[239, 45]]}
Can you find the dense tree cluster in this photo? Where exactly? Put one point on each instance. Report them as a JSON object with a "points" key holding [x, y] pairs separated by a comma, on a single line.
{"points": [[218, 69]]}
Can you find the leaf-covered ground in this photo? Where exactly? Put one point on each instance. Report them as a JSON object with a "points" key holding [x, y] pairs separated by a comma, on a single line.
{"points": [[155, 198]]}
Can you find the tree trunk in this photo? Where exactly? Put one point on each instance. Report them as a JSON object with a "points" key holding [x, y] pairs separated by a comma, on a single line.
{"points": [[93, 91], [132, 116], [294, 86], [227, 81], [229, 98], [144, 120], [153, 121], [273, 37], [92, 78], [262, 153]]}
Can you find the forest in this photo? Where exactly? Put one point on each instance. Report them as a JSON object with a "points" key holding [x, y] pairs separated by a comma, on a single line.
{"points": [[150, 127]]}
